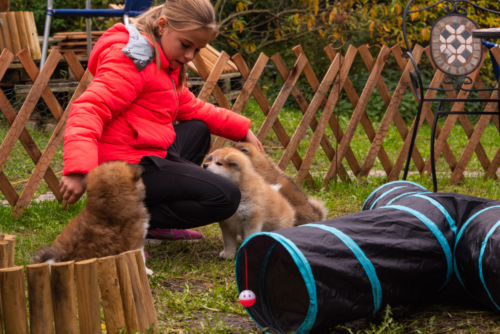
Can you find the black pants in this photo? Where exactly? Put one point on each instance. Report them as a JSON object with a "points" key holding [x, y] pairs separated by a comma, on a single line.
{"points": [[179, 193]]}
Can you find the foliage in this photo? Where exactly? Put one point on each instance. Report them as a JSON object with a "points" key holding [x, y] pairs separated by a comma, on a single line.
{"points": [[381, 22], [250, 26]]}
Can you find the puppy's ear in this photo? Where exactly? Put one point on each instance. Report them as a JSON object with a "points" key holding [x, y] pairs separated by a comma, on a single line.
{"points": [[233, 160], [244, 149], [137, 170]]}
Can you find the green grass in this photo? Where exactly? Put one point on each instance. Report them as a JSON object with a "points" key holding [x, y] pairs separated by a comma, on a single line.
{"points": [[195, 291]]}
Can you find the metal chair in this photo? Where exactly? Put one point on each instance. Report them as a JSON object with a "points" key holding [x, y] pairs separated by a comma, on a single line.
{"points": [[132, 8], [457, 53]]}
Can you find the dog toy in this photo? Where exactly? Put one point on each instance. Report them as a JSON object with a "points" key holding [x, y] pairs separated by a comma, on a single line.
{"points": [[247, 297]]}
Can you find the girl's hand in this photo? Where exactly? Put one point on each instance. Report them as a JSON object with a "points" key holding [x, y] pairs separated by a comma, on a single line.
{"points": [[72, 188], [250, 138]]}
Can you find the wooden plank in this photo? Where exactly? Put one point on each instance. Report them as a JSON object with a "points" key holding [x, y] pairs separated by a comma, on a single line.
{"points": [[451, 119], [33, 72], [14, 34], [303, 105], [266, 108], [7, 190], [365, 121], [358, 112], [27, 108], [51, 148], [6, 32], [318, 98], [282, 97], [333, 99], [29, 34], [2, 43], [21, 29], [34, 32], [392, 108], [247, 89]]}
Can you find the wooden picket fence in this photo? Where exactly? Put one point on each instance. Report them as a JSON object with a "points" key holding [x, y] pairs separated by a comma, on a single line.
{"points": [[118, 283], [335, 80]]}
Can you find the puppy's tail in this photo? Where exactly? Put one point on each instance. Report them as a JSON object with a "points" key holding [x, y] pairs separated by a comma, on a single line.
{"points": [[47, 254], [319, 208]]}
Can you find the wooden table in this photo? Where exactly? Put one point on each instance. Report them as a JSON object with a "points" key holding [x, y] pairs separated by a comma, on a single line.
{"points": [[486, 33]]}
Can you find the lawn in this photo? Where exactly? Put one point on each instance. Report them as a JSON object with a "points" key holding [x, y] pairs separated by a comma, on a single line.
{"points": [[195, 291]]}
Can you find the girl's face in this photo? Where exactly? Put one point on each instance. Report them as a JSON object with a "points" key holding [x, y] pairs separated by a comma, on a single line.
{"points": [[180, 47]]}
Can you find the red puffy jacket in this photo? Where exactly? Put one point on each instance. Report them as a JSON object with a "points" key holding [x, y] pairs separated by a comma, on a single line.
{"points": [[126, 114]]}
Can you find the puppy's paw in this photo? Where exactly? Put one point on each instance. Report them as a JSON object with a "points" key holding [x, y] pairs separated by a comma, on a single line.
{"points": [[227, 255], [149, 271]]}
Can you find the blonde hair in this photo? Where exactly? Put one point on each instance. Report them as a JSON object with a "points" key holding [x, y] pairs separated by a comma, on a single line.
{"points": [[181, 15]]}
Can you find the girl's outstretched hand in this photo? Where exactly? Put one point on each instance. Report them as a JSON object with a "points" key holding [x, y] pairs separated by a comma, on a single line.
{"points": [[250, 138], [72, 188]]}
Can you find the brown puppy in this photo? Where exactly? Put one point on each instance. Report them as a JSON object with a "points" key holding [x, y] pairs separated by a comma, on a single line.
{"points": [[307, 209], [261, 208], [114, 220]]}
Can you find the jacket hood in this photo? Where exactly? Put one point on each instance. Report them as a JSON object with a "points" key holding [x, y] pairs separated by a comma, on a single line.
{"points": [[118, 34]]}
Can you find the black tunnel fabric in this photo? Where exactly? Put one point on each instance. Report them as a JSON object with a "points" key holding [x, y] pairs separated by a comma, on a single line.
{"points": [[404, 246], [476, 254]]}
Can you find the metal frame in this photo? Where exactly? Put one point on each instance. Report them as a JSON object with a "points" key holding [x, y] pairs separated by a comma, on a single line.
{"points": [[452, 7], [132, 8]]}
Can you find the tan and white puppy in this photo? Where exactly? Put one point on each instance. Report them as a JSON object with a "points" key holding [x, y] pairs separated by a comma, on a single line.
{"points": [[114, 220], [308, 209], [261, 208]]}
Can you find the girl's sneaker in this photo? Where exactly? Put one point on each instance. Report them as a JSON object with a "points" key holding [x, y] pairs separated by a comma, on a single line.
{"points": [[158, 235]]}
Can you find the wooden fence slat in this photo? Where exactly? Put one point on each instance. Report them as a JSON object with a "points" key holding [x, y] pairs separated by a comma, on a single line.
{"points": [[265, 107], [365, 121], [451, 119], [49, 98], [358, 111], [27, 108], [282, 97], [214, 76], [148, 295], [50, 150], [129, 305], [13, 300], [318, 98], [111, 299], [392, 108], [247, 89], [87, 289], [304, 106], [62, 279], [74, 64], [426, 115], [344, 68], [8, 190], [216, 91], [466, 124]]}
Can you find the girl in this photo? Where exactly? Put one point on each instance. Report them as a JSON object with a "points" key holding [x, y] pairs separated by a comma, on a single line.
{"points": [[127, 113]]}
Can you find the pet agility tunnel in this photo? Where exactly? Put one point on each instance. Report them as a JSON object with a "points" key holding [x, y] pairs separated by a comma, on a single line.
{"points": [[315, 276], [476, 254]]}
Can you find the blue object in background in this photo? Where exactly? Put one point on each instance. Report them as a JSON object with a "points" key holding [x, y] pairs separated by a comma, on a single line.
{"points": [[496, 67]]}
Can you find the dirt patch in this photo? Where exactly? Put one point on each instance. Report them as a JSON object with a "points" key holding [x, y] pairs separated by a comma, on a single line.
{"points": [[238, 323]]}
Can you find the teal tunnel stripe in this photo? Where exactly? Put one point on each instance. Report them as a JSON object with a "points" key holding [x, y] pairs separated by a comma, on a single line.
{"points": [[388, 184], [460, 235], [438, 205], [365, 262], [440, 237], [304, 268], [385, 194], [483, 247], [407, 194]]}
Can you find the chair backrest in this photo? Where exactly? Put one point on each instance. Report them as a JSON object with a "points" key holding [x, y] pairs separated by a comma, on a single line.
{"points": [[454, 50], [137, 5]]}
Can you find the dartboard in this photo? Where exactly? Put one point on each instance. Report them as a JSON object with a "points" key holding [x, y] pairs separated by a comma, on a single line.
{"points": [[454, 50]]}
